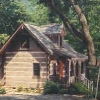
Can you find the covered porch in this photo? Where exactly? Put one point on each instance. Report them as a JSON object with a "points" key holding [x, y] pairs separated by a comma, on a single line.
{"points": [[66, 71]]}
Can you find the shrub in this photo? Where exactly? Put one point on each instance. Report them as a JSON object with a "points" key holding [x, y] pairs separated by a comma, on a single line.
{"points": [[2, 91], [98, 96], [19, 88], [51, 88], [78, 88], [63, 91]]}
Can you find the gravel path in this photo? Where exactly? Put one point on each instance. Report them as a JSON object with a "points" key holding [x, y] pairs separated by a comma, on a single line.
{"points": [[37, 97]]}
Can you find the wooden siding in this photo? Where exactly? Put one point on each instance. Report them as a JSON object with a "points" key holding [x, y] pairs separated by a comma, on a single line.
{"points": [[19, 68]]}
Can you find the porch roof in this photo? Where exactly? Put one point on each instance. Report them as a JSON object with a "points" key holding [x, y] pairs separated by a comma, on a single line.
{"points": [[68, 51]]}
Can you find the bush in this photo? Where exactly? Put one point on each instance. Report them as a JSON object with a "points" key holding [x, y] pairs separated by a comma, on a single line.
{"points": [[63, 91], [98, 96], [2, 91], [19, 88], [51, 88], [78, 88]]}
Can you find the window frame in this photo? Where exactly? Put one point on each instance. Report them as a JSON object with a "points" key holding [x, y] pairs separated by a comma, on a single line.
{"points": [[28, 42], [36, 69]]}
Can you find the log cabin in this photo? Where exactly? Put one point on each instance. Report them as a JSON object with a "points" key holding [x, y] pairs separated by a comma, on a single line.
{"points": [[33, 55]]}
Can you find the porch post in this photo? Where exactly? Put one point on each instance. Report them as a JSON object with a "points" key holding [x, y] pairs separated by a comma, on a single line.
{"points": [[74, 66], [69, 65], [79, 68]]}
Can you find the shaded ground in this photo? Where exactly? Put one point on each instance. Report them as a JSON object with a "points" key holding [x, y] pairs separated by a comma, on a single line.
{"points": [[38, 97]]}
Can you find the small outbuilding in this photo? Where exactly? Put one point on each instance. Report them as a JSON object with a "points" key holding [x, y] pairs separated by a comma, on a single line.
{"points": [[33, 55]]}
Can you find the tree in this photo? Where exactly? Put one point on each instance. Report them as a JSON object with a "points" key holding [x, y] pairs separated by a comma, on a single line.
{"points": [[3, 39], [40, 15], [81, 34], [12, 12]]}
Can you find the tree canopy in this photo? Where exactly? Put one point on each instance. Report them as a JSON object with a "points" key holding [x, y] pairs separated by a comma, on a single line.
{"points": [[12, 12]]}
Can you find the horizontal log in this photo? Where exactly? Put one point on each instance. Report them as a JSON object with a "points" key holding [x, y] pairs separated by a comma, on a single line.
{"points": [[23, 68], [9, 63], [18, 68], [19, 73], [17, 64], [25, 59], [25, 79], [24, 84], [15, 52], [26, 53]]}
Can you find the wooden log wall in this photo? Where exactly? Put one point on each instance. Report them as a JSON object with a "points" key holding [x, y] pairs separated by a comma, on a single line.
{"points": [[19, 68]]}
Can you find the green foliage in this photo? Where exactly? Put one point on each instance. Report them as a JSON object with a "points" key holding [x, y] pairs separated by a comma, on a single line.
{"points": [[98, 96], [51, 88], [3, 38], [40, 15], [12, 12], [93, 74], [78, 88], [2, 90], [19, 89], [91, 9], [63, 91]]}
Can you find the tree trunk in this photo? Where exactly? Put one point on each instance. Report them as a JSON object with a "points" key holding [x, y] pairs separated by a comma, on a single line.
{"points": [[88, 38]]}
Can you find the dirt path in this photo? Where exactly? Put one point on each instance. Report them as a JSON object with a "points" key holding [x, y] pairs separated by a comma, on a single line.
{"points": [[37, 97]]}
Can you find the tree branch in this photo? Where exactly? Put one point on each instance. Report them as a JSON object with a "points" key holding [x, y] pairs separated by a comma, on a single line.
{"points": [[88, 38], [79, 35]]}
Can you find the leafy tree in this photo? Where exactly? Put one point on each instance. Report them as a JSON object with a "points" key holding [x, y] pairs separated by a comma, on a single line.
{"points": [[12, 12], [40, 15], [3, 38]]}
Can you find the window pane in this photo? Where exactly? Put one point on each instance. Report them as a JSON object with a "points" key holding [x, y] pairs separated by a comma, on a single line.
{"points": [[25, 41], [36, 69]]}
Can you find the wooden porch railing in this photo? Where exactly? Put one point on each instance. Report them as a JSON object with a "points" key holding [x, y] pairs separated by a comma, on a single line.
{"points": [[63, 82], [85, 81]]}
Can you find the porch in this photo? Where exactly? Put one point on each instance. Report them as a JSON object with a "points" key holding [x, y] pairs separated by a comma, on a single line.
{"points": [[66, 72]]}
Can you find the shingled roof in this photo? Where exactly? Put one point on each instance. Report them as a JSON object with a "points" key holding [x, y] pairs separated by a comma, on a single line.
{"points": [[48, 45], [44, 40], [66, 50], [69, 51], [50, 29]]}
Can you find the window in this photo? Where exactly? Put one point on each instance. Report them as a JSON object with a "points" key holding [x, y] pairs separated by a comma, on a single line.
{"points": [[36, 69], [25, 41]]}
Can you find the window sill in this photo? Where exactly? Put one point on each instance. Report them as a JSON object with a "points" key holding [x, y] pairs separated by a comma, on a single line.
{"points": [[24, 49]]}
